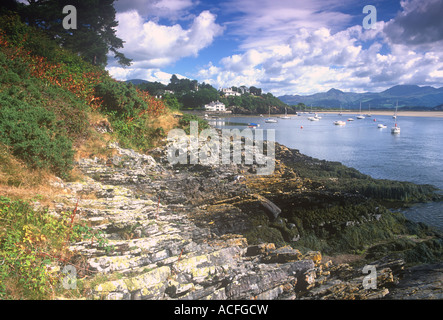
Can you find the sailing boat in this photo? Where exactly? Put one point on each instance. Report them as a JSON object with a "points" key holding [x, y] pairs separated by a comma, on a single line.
{"points": [[270, 120], [395, 129], [369, 114], [395, 114], [340, 110], [360, 116], [286, 114]]}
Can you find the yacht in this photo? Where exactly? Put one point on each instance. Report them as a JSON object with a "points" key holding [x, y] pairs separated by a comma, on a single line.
{"points": [[381, 126], [395, 129], [350, 119], [395, 114], [286, 114], [369, 114], [360, 116], [339, 123], [269, 119]]}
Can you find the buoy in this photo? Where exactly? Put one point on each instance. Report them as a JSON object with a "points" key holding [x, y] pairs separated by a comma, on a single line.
{"points": [[301, 127]]}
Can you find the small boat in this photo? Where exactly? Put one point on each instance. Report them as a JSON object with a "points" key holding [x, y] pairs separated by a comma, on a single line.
{"points": [[270, 120], [395, 129], [286, 115], [360, 116], [339, 123], [382, 126], [350, 119], [369, 114], [395, 114], [253, 125], [313, 118]]}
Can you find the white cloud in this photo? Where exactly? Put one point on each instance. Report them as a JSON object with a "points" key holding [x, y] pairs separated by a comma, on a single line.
{"points": [[152, 45], [170, 9], [153, 75]]}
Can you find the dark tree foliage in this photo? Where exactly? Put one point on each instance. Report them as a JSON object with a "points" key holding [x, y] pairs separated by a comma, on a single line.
{"points": [[95, 35]]}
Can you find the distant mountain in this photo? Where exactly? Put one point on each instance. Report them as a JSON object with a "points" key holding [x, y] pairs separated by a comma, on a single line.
{"points": [[411, 96]]}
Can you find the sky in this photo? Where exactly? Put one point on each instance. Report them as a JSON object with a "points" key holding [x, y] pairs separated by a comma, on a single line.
{"points": [[283, 46]]}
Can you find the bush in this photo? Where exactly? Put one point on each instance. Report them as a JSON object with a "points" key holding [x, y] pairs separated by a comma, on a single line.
{"points": [[35, 136]]}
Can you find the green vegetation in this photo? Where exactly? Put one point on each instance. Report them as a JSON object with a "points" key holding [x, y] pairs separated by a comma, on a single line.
{"points": [[35, 135], [94, 36], [339, 178], [188, 94], [50, 100], [33, 241]]}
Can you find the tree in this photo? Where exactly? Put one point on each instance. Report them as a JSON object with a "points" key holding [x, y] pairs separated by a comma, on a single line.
{"points": [[95, 35], [255, 91]]}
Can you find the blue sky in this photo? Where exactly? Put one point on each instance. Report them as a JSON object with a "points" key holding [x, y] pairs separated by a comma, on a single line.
{"points": [[283, 46]]}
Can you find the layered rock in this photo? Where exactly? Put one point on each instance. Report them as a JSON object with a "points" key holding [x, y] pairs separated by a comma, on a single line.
{"points": [[178, 233]]}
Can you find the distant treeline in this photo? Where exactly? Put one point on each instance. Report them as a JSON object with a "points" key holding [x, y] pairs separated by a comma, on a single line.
{"points": [[186, 94]]}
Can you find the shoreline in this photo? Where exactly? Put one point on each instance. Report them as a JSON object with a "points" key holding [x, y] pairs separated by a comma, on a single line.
{"points": [[430, 114], [434, 114]]}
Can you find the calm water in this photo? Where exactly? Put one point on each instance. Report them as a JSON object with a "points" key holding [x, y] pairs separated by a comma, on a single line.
{"points": [[415, 155]]}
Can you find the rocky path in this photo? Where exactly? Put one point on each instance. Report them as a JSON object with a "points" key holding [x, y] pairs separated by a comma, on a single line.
{"points": [[154, 251], [167, 234]]}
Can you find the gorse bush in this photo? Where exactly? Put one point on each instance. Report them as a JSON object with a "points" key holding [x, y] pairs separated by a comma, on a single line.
{"points": [[35, 135]]}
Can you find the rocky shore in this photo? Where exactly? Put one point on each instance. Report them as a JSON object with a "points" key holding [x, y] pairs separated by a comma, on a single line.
{"points": [[222, 232]]}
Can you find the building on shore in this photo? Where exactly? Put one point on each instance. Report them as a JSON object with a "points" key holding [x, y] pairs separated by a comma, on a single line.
{"points": [[216, 106]]}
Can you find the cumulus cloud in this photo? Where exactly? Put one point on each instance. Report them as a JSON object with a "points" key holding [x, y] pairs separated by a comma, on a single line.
{"points": [[298, 47], [314, 61], [152, 45]]}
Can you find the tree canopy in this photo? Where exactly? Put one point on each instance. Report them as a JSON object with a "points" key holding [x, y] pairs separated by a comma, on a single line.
{"points": [[94, 36]]}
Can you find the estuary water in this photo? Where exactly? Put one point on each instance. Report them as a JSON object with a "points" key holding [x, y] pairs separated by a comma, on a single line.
{"points": [[415, 155]]}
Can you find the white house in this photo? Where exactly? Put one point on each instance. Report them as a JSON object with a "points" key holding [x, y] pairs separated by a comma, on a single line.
{"points": [[230, 92], [215, 106]]}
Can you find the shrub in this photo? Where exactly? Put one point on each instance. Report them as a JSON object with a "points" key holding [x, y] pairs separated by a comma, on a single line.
{"points": [[35, 136]]}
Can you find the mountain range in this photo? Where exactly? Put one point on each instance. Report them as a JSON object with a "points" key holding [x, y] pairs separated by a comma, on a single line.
{"points": [[408, 97]]}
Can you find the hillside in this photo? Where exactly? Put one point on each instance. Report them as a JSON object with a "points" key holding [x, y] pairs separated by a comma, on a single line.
{"points": [[188, 94], [55, 108], [411, 96]]}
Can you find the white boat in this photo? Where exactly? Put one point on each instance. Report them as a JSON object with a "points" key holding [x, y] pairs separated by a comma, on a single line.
{"points": [[339, 123], [270, 120], [360, 115], [382, 126], [286, 114], [369, 114], [395, 129], [350, 119]]}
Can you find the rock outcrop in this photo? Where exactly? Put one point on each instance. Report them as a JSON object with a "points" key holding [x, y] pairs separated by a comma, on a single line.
{"points": [[175, 233]]}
